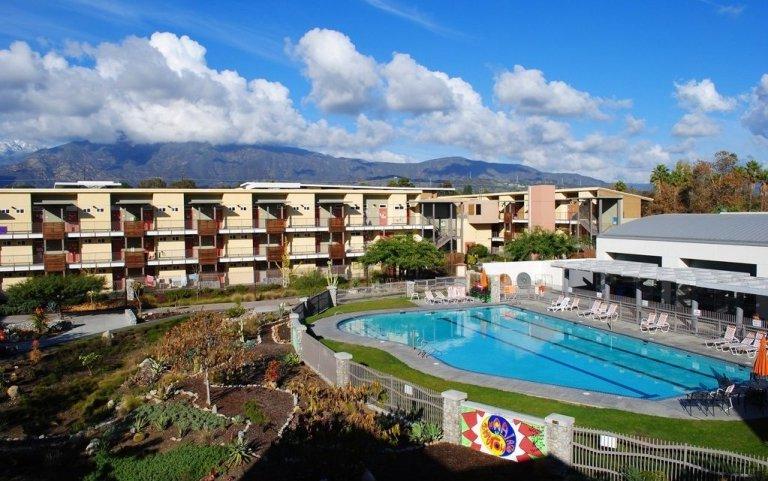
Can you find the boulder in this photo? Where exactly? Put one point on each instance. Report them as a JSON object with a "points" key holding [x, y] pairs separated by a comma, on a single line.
{"points": [[107, 337], [13, 392], [92, 447]]}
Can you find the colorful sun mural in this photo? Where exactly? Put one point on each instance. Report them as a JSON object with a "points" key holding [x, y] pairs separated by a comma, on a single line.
{"points": [[506, 438]]}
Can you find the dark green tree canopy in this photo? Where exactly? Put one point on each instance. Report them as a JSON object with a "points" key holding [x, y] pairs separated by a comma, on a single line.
{"points": [[400, 182], [545, 244], [154, 183], [405, 253], [183, 184], [40, 291]]}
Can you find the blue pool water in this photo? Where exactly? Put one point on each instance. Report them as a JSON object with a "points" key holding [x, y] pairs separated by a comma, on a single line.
{"points": [[520, 344]]}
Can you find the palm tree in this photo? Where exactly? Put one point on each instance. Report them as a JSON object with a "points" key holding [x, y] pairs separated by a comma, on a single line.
{"points": [[755, 173], [660, 175]]}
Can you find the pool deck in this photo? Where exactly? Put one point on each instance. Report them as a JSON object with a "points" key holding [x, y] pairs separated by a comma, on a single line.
{"points": [[326, 328]]}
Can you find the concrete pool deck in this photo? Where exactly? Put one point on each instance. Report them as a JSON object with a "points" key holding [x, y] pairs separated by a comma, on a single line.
{"points": [[327, 328]]}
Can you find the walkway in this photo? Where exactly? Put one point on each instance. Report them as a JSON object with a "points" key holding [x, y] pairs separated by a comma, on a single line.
{"points": [[666, 408]]}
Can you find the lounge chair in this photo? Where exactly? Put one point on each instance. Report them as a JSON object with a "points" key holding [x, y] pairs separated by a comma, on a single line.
{"points": [[749, 350], [611, 314], [728, 337], [748, 340], [430, 298], [458, 294], [557, 302], [662, 323], [441, 297], [509, 291], [591, 311], [560, 307], [601, 310], [573, 305], [724, 396], [647, 323]]}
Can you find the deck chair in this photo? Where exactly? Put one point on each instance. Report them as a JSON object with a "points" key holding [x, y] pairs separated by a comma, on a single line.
{"points": [[559, 307], [728, 337], [430, 298], [591, 311], [748, 340], [609, 314], [662, 323]]}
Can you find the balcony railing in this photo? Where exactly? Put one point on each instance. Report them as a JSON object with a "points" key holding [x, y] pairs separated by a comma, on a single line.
{"points": [[275, 226], [207, 227], [275, 253], [92, 257], [207, 255], [85, 225], [21, 259], [134, 258], [55, 261], [53, 230], [336, 251]]}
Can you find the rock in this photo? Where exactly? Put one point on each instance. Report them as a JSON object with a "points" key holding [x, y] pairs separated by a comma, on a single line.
{"points": [[214, 409], [13, 392], [107, 337], [153, 392], [111, 404], [92, 447]]}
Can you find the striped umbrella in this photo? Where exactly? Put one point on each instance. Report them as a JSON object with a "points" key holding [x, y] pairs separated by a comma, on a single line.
{"points": [[760, 368]]}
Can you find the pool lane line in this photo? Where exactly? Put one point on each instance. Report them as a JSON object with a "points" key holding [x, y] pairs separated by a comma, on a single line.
{"points": [[599, 358], [632, 353], [644, 395]]}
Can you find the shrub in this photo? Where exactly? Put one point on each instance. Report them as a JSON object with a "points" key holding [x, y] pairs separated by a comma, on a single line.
{"points": [[183, 416], [273, 372], [186, 462], [89, 361], [309, 284], [291, 359], [235, 311], [422, 432], [35, 354], [41, 291], [238, 453], [252, 411]]}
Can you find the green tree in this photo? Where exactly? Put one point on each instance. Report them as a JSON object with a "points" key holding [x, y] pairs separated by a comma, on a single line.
{"points": [[403, 252], [154, 183], [540, 243], [660, 175], [620, 185], [400, 182], [39, 292], [467, 190], [183, 184]]}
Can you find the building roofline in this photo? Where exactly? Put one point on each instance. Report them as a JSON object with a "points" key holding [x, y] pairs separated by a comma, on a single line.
{"points": [[568, 189]]}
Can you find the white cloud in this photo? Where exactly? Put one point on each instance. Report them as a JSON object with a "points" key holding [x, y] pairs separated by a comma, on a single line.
{"points": [[634, 125], [695, 124], [411, 87], [528, 91], [702, 96], [156, 90], [342, 78], [756, 116]]}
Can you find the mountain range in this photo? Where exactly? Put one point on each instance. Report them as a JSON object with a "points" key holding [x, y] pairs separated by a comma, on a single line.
{"points": [[214, 165]]}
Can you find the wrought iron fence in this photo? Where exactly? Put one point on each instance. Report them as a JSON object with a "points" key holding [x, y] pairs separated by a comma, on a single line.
{"points": [[607, 455], [399, 395], [318, 357]]}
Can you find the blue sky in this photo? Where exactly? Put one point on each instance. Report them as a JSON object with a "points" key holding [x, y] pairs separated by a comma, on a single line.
{"points": [[607, 89]]}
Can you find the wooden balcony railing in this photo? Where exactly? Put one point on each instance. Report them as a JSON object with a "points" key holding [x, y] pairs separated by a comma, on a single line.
{"points": [[275, 226], [275, 253], [336, 251], [336, 224], [133, 228], [55, 262], [135, 259], [207, 255], [207, 227], [53, 230]]}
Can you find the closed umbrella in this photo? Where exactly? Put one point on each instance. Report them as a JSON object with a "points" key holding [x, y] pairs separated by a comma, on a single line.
{"points": [[483, 280], [760, 367]]}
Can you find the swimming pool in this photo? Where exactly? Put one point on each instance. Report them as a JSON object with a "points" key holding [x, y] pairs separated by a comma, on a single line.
{"points": [[520, 344]]}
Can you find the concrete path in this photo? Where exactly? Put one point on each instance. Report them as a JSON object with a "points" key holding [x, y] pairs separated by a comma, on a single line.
{"points": [[94, 324], [667, 408]]}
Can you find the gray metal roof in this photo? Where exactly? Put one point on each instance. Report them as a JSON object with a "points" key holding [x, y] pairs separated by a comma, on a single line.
{"points": [[729, 281], [726, 228]]}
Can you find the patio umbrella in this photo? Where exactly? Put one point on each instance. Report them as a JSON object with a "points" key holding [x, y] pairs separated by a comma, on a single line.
{"points": [[483, 280], [760, 368]]}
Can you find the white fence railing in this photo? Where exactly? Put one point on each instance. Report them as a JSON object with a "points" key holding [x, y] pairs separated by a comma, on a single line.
{"points": [[396, 288]]}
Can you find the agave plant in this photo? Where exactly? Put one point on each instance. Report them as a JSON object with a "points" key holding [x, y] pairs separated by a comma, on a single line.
{"points": [[239, 453]]}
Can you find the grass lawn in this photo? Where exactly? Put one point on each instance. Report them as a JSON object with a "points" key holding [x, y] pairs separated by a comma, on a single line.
{"points": [[748, 437], [391, 303]]}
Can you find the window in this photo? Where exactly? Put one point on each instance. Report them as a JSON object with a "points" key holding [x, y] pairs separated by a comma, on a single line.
{"points": [[5, 211], [474, 209]]}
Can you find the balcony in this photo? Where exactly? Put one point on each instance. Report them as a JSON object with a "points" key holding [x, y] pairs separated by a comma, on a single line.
{"points": [[135, 259], [53, 230], [275, 253], [21, 262], [133, 228], [207, 255], [94, 257], [336, 224], [55, 261], [275, 226], [207, 227], [171, 257]]}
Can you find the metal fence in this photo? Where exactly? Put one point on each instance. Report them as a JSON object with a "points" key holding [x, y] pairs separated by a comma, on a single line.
{"points": [[399, 395], [318, 357], [313, 305], [396, 288], [606, 455]]}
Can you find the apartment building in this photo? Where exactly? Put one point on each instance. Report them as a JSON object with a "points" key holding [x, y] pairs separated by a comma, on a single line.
{"points": [[494, 218], [207, 237]]}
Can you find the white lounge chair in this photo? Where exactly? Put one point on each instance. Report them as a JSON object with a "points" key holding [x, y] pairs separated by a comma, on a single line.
{"points": [[728, 337], [647, 323], [749, 350], [460, 293], [557, 302], [430, 298], [591, 311], [662, 323], [748, 340], [604, 306], [441, 297], [611, 314], [560, 307], [573, 305]]}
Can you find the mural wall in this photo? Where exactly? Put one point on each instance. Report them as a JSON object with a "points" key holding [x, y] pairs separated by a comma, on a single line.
{"points": [[501, 435]]}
